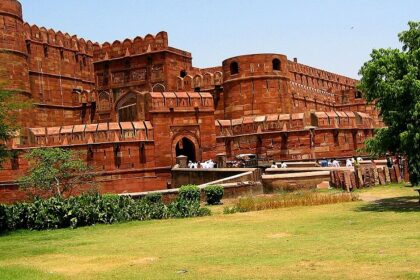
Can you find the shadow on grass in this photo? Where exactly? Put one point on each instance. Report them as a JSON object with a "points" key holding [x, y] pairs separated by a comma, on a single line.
{"points": [[394, 204]]}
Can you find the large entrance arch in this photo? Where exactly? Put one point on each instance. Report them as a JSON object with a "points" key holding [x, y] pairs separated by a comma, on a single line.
{"points": [[185, 147]]}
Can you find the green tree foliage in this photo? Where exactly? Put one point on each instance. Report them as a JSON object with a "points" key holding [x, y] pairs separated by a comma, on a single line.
{"points": [[8, 108], [391, 79], [55, 171]]}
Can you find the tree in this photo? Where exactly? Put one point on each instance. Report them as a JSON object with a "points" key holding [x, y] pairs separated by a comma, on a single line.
{"points": [[391, 79], [8, 127], [55, 171], [11, 101]]}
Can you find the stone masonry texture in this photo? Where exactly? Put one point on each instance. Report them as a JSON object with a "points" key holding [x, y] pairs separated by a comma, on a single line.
{"points": [[131, 107]]}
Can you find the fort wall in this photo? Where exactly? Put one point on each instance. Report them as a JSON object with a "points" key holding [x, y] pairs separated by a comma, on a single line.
{"points": [[131, 107]]}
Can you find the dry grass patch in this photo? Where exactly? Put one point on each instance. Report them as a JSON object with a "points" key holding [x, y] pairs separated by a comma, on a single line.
{"points": [[75, 265], [303, 198], [279, 235]]}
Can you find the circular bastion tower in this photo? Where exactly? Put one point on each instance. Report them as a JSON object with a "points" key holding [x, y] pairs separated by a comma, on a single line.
{"points": [[255, 85], [14, 71]]}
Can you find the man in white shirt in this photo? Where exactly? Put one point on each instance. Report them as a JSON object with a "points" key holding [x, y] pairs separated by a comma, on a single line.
{"points": [[335, 163], [283, 165]]}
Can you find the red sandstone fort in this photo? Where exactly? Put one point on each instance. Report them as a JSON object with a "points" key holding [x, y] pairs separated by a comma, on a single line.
{"points": [[133, 106]]}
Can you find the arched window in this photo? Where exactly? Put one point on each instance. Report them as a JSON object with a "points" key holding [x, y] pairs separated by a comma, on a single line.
{"points": [[276, 64], [234, 68], [127, 108], [183, 73], [158, 88], [358, 94]]}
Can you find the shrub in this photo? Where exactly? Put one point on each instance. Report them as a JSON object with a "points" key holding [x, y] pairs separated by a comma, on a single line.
{"points": [[93, 208], [154, 197], [149, 209], [182, 208], [189, 193], [214, 194], [3, 218], [230, 210]]}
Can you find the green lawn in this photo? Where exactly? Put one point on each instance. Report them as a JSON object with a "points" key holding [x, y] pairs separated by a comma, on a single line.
{"points": [[357, 240]]}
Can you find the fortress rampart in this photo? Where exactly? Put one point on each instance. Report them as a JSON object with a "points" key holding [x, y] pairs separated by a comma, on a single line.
{"points": [[130, 107]]}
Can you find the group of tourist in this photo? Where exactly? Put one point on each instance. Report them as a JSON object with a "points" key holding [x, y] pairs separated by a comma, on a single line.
{"points": [[202, 165], [282, 165], [329, 163], [354, 161]]}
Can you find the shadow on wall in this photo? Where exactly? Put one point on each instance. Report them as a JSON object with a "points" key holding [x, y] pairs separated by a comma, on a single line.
{"points": [[395, 204]]}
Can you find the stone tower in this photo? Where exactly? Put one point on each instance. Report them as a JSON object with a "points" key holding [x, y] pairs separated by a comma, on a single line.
{"points": [[255, 85], [14, 71]]}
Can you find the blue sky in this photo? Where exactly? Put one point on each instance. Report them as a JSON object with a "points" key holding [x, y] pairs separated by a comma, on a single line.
{"points": [[335, 35]]}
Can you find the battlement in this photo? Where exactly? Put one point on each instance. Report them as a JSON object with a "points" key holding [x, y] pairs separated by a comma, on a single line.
{"points": [[310, 76], [58, 39], [337, 119], [311, 93], [203, 80], [90, 134], [180, 101], [260, 124], [136, 46], [293, 122]]}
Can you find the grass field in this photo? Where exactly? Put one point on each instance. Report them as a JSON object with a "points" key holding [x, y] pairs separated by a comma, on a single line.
{"points": [[374, 239]]}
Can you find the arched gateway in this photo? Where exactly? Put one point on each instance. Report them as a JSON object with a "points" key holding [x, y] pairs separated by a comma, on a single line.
{"points": [[185, 147]]}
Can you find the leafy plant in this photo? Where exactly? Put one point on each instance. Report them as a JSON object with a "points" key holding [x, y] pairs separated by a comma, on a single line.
{"points": [[190, 193], [10, 103], [182, 208], [92, 208], [3, 218], [154, 197], [55, 171], [230, 210], [214, 194]]}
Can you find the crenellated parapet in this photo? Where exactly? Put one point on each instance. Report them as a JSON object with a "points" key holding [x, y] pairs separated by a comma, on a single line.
{"points": [[261, 124], [311, 94], [204, 79], [91, 134], [137, 46], [180, 102], [57, 39], [286, 123], [317, 78]]}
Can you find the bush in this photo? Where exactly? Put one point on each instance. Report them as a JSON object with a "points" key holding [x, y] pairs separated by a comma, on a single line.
{"points": [[154, 197], [182, 208], [90, 209], [150, 209], [214, 194], [230, 210], [3, 218], [189, 193]]}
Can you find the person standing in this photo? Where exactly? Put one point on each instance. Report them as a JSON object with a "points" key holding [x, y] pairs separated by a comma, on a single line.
{"points": [[335, 163], [389, 163]]}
